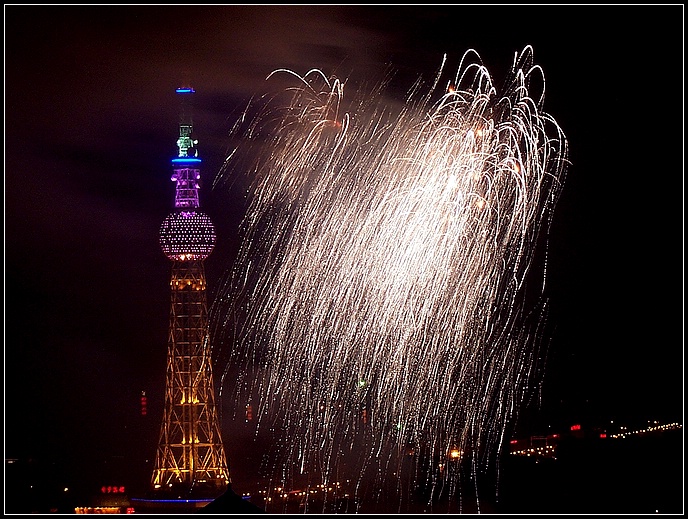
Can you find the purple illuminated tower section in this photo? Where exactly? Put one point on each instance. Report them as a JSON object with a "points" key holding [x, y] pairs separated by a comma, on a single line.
{"points": [[190, 461]]}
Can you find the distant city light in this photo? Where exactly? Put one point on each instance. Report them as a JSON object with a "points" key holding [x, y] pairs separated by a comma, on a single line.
{"points": [[550, 442], [112, 489]]}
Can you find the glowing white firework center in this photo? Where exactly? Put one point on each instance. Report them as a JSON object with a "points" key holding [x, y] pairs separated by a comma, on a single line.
{"points": [[394, 303]]}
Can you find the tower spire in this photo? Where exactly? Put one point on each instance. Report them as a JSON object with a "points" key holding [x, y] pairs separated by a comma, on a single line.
{"points": [[186, 174]]}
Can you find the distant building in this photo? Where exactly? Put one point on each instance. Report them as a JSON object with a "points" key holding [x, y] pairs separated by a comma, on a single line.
{"points": [[111, 500]]}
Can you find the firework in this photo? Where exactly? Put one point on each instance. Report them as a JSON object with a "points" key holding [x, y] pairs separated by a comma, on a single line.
{"points": [[389, 282]]}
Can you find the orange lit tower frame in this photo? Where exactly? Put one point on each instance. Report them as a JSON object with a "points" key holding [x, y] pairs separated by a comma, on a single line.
{"points": [[190, 457]]}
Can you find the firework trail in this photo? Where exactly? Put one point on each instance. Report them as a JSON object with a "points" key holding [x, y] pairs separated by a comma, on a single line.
{"points": [[389, 283]]}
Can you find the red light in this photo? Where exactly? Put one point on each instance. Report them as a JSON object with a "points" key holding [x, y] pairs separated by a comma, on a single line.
{"points": [[575, 427], [603, 435], [113, 490], [513, 441]]}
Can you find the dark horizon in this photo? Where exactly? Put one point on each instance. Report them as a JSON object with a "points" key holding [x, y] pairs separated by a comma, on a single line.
{"points": [[640, 474]]}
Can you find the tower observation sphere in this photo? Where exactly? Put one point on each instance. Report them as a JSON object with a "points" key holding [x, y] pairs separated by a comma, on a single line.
{"points": [[187, 235]]}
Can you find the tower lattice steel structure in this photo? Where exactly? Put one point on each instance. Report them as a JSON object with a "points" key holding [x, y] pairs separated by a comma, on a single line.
{"points": [[190, 457]]}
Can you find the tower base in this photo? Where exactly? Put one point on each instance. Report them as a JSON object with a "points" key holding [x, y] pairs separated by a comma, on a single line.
{"points": [[178, 499]]}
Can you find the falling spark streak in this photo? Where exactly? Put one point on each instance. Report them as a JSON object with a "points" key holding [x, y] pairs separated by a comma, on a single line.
{"points": [[386, 266]]}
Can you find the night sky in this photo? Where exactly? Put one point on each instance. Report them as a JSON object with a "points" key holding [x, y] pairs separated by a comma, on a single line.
{"points": [[91, 125]]}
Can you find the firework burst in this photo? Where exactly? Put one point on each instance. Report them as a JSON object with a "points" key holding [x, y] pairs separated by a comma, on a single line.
{"points": [[389, 283]]}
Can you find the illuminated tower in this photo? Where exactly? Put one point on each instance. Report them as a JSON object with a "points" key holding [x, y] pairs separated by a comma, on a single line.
{"points": [[190, 460]]}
